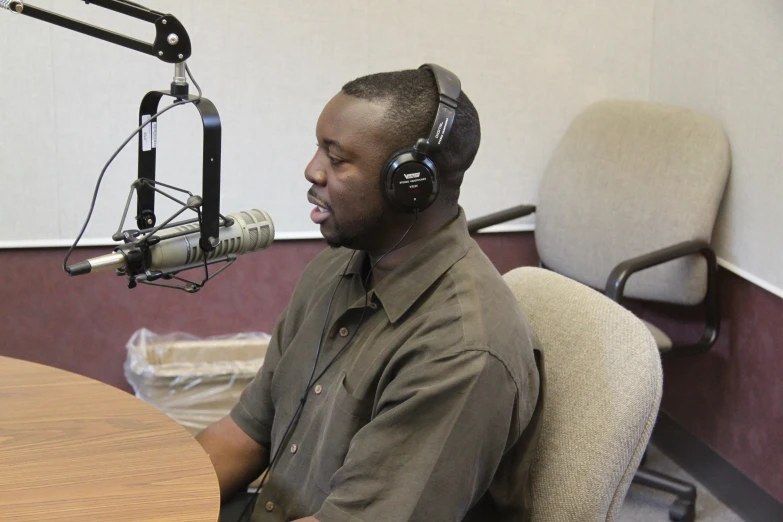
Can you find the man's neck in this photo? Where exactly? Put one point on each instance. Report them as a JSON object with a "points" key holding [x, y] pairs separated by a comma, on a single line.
{"points": [[385, 262]]}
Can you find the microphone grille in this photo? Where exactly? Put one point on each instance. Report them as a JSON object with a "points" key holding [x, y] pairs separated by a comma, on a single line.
{"points": [[260, 229]]}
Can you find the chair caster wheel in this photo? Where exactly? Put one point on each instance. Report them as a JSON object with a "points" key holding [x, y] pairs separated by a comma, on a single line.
{"points": [[682, 511]]}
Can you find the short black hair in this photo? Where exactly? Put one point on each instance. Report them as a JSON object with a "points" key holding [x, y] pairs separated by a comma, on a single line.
{"points": [[413, 101]]}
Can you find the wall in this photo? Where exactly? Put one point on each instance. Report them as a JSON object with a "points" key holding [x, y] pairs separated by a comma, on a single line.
{"points": [[82, 323], [530, 66], [726, 59], [730, 397], [270, 67]]}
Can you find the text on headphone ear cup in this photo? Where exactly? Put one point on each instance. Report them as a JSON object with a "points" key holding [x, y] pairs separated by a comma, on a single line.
{"points": [[408, 184]]}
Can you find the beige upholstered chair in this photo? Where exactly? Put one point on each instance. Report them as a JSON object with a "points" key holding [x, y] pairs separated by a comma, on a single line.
{"points": [[628, 180], [627, 204], [601, 392]]}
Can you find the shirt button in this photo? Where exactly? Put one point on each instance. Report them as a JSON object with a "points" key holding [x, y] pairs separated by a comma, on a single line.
{"points": [[293, 448], [373, 306], [343, 332], [270, 506], [318, 389]]}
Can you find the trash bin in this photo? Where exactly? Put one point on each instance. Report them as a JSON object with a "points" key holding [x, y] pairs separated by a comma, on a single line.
{"points": [[194, 381]]}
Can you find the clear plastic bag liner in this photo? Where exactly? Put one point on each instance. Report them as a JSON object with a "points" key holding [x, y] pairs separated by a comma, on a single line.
{"points": [[196, 381]]}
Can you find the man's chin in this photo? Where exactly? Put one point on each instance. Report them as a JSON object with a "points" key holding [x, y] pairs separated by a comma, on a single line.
{"points": [[332, 237], [337, 237], [341, 241]]}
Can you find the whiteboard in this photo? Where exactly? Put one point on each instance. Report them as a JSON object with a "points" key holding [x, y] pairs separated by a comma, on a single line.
{"points": [[67, 100]]}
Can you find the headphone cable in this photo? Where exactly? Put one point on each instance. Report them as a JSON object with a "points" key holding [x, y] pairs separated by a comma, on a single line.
{"points": [[284, 439]]}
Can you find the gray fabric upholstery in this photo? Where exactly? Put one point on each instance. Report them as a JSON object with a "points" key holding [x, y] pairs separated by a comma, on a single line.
{"points": [[627, 178], [602, 386]]}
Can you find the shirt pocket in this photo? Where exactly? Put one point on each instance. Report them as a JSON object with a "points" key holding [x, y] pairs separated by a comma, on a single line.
{"points": [[345, 415]]}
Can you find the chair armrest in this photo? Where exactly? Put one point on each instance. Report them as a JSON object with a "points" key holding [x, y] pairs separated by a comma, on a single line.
{"points": [[615, 285], [474, 225]]}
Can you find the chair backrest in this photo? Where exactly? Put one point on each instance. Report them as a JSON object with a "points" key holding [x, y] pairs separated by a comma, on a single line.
{"points": [[627, 178], [602, 385]]}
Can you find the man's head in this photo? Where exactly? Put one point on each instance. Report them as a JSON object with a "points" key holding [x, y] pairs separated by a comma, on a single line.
{"points": [[358, 130]]}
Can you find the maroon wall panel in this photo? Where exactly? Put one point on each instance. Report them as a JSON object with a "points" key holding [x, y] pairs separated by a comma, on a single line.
{"points": [[730, 397], [82, 324]]}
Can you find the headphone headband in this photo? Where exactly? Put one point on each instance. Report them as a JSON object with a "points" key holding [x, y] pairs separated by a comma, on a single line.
{"points": [[449, 88], [410, 178]]}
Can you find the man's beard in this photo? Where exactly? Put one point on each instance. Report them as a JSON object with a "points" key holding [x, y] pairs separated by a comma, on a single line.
{"points": [[356, 240]]}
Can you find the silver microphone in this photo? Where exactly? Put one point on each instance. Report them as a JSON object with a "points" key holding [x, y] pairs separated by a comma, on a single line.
{"points": [[252, 230]]}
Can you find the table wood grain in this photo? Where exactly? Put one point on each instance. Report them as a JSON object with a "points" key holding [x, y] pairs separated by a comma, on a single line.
{"points": [[72, 448]]}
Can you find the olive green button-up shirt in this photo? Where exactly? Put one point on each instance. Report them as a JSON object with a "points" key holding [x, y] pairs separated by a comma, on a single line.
{"points": [[426, 413]]}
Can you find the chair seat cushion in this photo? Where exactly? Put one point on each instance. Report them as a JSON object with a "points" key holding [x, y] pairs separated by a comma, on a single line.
{"points": [[663, 341]]}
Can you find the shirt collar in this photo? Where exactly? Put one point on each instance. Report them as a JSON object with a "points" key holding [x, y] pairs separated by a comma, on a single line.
{"points": [[434, 255]]}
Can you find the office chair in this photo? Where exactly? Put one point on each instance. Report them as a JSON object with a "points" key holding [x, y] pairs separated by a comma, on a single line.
{"points": [[602, 385], [633, 189]]}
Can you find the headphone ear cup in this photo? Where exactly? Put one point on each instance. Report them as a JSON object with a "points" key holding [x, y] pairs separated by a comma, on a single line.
{"points": [[409, 184]]}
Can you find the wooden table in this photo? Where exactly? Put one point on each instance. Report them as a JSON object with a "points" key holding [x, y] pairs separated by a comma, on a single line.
{"points": [[72, 448]]}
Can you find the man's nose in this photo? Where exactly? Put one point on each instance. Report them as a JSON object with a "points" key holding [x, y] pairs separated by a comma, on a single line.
{"points": [[314, 172]]}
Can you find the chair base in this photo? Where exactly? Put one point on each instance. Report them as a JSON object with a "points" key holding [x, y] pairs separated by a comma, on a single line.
{"points": [[683, 509]]}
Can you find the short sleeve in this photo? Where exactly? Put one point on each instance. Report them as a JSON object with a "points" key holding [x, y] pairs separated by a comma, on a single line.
{"points": [[440, 432], [255, 410]]}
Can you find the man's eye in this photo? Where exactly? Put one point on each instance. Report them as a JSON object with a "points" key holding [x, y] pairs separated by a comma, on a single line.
{"points": [[334, 161]]}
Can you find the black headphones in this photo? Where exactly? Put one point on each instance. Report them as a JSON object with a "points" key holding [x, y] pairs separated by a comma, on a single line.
{"points": [[409, 177]]}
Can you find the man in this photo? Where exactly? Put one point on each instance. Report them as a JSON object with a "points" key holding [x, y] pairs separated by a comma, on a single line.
{"points": [[418, 404]]}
